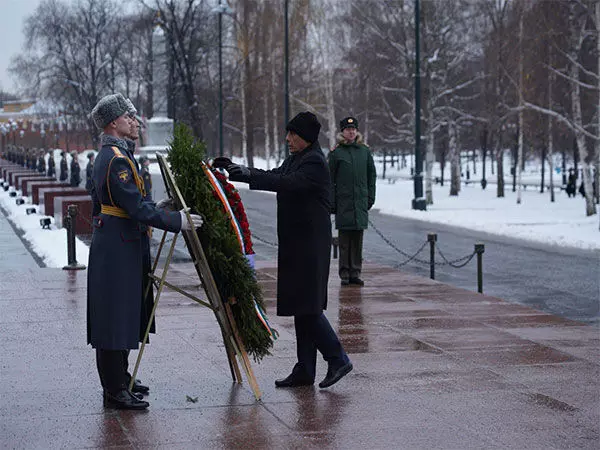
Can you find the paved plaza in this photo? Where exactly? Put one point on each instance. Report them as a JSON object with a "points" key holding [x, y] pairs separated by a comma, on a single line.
{"points": [[435, 367]]}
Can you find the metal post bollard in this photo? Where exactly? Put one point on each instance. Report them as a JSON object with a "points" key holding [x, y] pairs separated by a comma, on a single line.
{"points": [[479, 249], [335, 243], [70, 225], [432, 239]]}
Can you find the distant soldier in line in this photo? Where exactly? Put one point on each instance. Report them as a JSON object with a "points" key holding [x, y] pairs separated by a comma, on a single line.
{"points": [[33, 158], [64, 168], [41, 165], [88, 172], [75, 179], [51, 165]]}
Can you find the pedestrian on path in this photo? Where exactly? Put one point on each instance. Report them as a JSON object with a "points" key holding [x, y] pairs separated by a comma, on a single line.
{"points": [[115, 321], [303, 190], [353, 177]]}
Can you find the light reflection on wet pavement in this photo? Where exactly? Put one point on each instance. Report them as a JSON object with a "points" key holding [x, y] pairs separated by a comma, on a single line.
{"points": [[435, 367]]}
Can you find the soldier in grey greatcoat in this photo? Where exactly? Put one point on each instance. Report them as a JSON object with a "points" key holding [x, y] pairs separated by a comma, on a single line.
{"points": [[41, 163], [303, 188], [88, 172], [64, 167], [114, 303], [75, 179], [51, 165]]}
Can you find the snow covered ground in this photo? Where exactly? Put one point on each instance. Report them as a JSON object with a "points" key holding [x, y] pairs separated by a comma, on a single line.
{"points": [[561, 223], [49, 244]]}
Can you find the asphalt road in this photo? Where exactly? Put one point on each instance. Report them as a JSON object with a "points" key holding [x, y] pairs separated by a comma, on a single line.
{"points": [[557, 280]]}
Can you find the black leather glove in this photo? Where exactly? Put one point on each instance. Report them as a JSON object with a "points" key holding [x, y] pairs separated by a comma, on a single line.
{"points": [[238, 173], [221, 162]]}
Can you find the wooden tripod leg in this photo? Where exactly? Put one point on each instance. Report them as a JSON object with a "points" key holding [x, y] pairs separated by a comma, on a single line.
{"points": [[193, 242], [233, 365], [160, 247], [242, 354], [159, 291]]}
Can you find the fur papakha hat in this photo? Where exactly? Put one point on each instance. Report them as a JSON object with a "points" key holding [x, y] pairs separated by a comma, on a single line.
{"points": [[130, 108], [108, 109], [305, 125]]}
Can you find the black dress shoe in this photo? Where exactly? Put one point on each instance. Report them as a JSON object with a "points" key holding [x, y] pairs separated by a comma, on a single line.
{"points": [[138, 396], [345, 282], [335, 375], [357, 281], [293, 381], [139, 388], [123, 399]]}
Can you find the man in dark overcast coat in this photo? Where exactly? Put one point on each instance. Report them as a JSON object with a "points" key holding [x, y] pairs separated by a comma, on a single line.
{"points": [[303, 189]]}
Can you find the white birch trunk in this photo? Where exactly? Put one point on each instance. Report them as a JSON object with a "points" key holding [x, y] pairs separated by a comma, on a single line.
{"points": [[263, 63], [550, 128], [598, 111], [590, 206], [330, 107], [267, 131], [367, 103], [429, 164], [244, 121], [454, 157], [276, 143]]}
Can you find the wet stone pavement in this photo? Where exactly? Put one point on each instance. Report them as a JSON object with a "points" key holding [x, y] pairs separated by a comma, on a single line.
{"points": [[435, 367]]}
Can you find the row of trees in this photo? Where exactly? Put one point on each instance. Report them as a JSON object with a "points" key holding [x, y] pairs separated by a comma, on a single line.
{"points": [[496, 74]]}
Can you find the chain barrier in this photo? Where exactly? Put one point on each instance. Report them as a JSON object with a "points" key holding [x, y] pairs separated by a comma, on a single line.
{"points": [[264, 241], [457, 262], [409, 257], [454, 263]]}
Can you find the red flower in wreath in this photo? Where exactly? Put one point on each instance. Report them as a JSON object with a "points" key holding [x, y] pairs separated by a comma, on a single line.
{"points": [[235, 201]]}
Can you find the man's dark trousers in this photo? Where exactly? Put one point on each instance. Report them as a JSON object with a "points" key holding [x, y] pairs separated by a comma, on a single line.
{"points": [[112, 369], [314, 332], [351, 244]]}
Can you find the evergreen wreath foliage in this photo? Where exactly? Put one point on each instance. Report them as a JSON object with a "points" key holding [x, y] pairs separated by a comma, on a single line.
{"points": [[233, 275]]}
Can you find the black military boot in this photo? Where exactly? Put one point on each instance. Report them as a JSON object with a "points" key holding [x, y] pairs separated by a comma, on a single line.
{"points": [[123, 399], [139, 388]]}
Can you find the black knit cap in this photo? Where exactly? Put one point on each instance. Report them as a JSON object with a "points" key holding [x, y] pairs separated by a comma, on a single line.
{"points": [[348, 122], [305, 125]]}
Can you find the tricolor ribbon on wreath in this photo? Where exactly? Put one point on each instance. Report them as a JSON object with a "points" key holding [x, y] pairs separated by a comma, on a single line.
{"points": [[233, 207]]}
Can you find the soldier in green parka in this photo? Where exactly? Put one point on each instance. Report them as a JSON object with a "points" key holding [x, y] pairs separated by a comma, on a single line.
{"points": [[353, 176]]}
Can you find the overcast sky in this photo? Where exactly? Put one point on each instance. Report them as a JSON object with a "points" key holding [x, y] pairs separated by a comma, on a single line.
{"points": [[12, 20]]}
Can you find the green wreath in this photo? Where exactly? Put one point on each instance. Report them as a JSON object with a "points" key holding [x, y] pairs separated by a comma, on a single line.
{"points": [[232, 273]]}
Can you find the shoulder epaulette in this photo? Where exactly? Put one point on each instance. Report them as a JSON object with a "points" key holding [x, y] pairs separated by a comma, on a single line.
{"points": [[117, 152]]}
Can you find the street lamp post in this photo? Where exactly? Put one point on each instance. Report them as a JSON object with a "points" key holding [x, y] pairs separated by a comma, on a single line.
{"points": [[286, 72], [419, 201], [14, 132], [220, 79]]}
